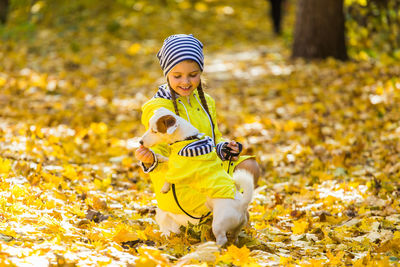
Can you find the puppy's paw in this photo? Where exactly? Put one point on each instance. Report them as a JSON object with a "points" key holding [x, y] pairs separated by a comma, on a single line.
{"points": [[222, 240], [166, 187]]}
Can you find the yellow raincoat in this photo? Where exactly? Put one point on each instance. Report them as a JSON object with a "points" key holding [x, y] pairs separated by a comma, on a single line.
{"points": [[204, 173], [190, 109]]}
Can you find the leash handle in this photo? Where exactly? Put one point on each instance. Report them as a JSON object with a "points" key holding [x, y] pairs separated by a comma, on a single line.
{"points": [[177, 202], [228, 153]]}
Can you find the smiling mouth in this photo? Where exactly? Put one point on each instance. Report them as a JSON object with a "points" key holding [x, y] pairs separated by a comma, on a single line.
{"points": [[185, 88]]}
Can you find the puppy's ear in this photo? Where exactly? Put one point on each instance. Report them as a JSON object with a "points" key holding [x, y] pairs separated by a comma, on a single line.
{"points": [[166, 124]]}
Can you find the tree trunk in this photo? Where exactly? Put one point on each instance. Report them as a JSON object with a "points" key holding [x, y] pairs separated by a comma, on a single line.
{"points": [[276, 14], [319, 30], [3, 11]]}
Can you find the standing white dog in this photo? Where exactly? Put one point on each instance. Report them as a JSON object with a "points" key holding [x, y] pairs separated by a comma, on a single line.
{"points": [[193, 161]]}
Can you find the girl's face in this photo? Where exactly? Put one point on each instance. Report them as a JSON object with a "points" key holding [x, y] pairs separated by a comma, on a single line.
{"points": [[184, 77]]}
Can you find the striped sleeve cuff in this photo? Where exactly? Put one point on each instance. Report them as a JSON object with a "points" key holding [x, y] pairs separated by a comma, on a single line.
{"points": [[219, 150], [152, 167]]}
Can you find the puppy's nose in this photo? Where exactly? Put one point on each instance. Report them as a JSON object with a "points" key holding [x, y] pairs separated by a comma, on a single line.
{"points": [[141, 142]]}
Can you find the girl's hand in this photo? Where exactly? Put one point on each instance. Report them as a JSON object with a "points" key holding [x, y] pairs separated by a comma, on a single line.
{"points": [[144, 155], [235, 149]]}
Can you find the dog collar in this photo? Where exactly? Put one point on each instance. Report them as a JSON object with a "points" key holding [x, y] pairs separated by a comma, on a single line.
{"points": [[193, 137]]}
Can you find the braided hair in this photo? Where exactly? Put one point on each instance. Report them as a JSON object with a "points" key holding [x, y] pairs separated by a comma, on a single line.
{"points": [[202, 99], [173, 95], [205, 106]]}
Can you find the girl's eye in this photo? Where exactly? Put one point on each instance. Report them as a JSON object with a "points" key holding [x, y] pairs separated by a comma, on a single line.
{"points": [[177, 77], [193, 75]]}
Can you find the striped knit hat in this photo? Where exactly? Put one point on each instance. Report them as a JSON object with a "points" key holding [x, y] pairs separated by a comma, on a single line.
{"points": [[180, 47]]}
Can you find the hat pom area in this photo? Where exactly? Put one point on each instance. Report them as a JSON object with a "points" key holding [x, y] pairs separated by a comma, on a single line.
{"points": [[177, 48]]}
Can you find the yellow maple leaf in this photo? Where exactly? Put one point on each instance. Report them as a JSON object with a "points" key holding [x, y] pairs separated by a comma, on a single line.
{"points": [[363, 55], [290, 125], [124, 235], [70, 172], [237, 256], [39, 80], [285, 261], [150, 233], [18, 191], [5, 166], [359, 263], [335, 259], [53, 180], [53, 139], [134, 49], [76, 210], [330, 200], [2, 81], [299, 227], [396, 235], [50, 204], [184, 4], [99, 128], [92, 82], [99, 204], [127, 162], [385, 262], [201, 7], [103, 184], [150, 257], [145, 262], [334, 220]]}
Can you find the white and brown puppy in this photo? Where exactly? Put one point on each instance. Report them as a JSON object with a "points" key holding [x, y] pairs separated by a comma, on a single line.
{"points": [[229, 214]]}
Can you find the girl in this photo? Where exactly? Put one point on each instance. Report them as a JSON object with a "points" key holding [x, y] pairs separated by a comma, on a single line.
{"points": [[182, 61]]}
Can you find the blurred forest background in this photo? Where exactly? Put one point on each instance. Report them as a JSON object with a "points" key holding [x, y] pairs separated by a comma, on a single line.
{"points": [[316, 100]]}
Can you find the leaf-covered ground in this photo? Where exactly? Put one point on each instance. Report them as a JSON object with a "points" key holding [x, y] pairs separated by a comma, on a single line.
{"points": [[326, 135]]}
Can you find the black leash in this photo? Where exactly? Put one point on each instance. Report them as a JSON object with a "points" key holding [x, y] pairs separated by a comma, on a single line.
{"points": [[177, 202], [228, 153]]}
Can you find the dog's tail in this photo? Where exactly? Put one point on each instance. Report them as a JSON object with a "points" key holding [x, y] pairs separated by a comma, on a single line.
{"points": [[245, 180]]}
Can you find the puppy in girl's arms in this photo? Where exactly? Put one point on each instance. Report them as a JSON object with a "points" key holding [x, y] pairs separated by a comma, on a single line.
{"points": [[193, 163]]}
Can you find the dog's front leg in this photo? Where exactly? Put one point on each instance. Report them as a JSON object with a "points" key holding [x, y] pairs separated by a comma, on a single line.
{"points": [[220, 234], [218, 223], [165, 188], [166, 222]]}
